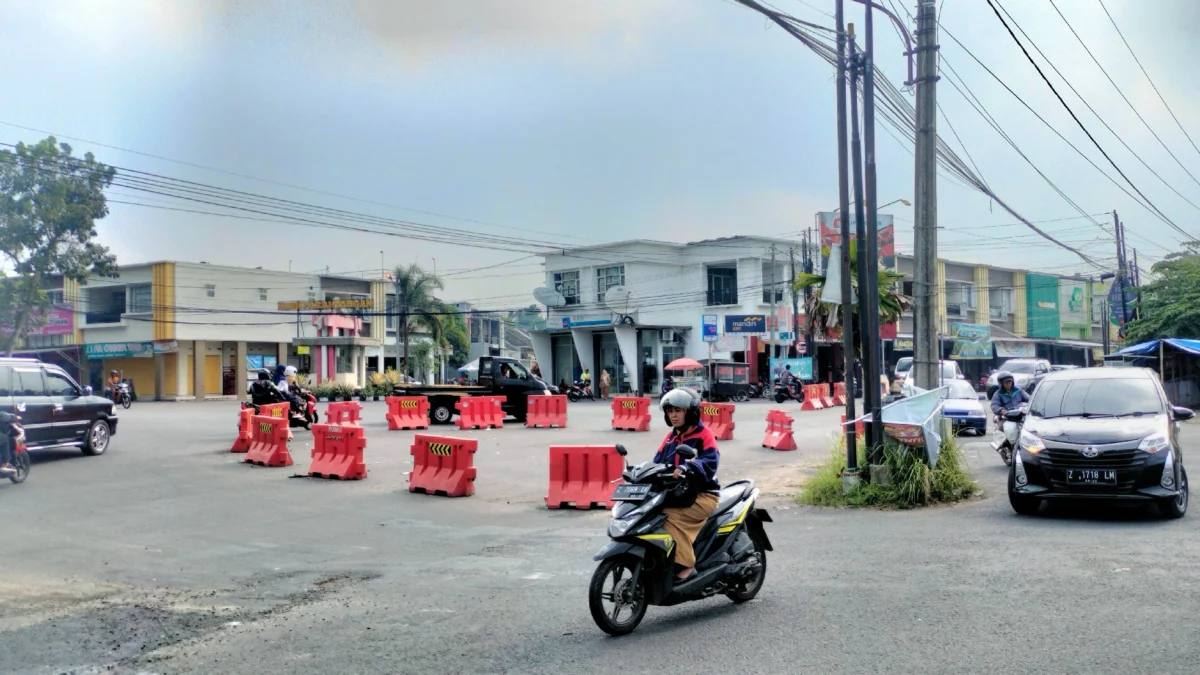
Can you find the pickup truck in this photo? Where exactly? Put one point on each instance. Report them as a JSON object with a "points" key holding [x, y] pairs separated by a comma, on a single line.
{"points": [[498, 376]]}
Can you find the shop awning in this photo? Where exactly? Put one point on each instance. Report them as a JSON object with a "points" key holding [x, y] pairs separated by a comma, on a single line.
{"points": [[1151, 347]]}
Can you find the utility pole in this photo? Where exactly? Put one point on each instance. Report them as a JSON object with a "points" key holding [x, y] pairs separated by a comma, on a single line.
{"points": [[874, 355], [1119, 231], [771, 320], [1104, 323], [807, 262], [860, 230], [1136, 273], [925, 325], [851, 476], [795, 306]]}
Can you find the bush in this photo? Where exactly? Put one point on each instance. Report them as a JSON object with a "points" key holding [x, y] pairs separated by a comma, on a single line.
{"points": [[913, 483]]}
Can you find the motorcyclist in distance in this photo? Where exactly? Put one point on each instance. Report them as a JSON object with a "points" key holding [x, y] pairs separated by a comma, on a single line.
{"points": [[262, 391], [1007, 397]]}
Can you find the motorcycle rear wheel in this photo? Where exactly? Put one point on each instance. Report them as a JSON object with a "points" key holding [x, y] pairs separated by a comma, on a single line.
{"points": [[21, 463], [620, 571], [780, 398], [747, 590]]}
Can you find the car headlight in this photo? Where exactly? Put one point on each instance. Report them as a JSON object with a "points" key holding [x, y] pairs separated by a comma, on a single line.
{"points": [[1030, 443], [1154, 442]]}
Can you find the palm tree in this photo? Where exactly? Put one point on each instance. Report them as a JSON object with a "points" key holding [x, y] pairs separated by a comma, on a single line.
{"points": [[415, 304], [820, 320]]}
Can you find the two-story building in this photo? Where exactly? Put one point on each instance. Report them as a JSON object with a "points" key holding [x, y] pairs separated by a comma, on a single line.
{"points": [[670, 289]]}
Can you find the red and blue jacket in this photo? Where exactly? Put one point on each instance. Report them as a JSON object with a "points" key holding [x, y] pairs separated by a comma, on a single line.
{"points": [[700, 438]]}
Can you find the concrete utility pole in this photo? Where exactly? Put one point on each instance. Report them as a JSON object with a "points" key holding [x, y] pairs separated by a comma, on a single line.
{"points": [[860, 229], [1119, 231], [807, 261], [873, 358], [771, 320], [851, 476], [925, 325], [795, 306]]}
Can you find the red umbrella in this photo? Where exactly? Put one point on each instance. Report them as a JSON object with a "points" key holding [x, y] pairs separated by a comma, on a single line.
{"points": [[684, 364]]}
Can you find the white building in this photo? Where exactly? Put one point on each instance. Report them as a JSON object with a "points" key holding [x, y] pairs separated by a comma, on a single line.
{"points": [[671, 288]]}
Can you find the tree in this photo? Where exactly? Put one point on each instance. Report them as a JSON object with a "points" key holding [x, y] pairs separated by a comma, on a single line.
{"points": [[529, 318], [1169, 306], [416, 305], [454, 334], [49, 204], [820, 320]]}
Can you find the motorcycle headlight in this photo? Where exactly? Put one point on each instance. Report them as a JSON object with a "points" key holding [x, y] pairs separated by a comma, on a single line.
{"points": [[1154, 442], [1030, 443], [618, 528]]}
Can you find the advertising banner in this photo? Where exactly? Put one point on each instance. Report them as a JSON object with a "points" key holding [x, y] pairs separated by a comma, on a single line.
{"points": [[709, 322], [830, 226], [731, 343], [801, 367], [59, 319], [1016, 350], [972, 341], [1072, 302], [749, 324], [119, 350]]}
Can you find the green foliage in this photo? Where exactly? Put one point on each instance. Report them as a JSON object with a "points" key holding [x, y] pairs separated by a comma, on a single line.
{"points": [[824, 319], [49, 204], [1170, 305], [416, 305], [529, 318], [322, 390], [454, 335], [913, 483]]}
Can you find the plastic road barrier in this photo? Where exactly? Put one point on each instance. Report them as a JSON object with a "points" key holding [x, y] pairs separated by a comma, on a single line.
{"points": [[480, 412], [407, 412], [338, 452], [443, 465], [278, 410], [546, 412], [344, 412], [812, 398], [826, 396], [839, 394], [719, 418], [268, 447], [859, 427], [779, 431], [583, 476], [631, 413], [245, 434]]}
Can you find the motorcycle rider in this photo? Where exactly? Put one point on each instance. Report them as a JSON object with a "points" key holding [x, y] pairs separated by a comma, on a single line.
{"points": [[10, 434], [111, 384], [681, 409], [262, 391], [1007, 397]]}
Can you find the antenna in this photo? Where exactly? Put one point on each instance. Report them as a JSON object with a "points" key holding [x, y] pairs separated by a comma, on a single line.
{"points": [[549, 297], [620, 300]]}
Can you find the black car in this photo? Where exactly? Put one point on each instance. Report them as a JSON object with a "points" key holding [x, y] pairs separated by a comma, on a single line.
{"points": [[55, 411], [1100, 433]]}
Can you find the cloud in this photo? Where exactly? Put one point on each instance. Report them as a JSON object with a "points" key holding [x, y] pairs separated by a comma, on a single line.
{"points": [[111, 26]]}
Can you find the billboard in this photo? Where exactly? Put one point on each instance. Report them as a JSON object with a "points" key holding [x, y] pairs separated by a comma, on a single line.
{"points": [[971, 341], [801, 367], [830, 225], [755, 324]]}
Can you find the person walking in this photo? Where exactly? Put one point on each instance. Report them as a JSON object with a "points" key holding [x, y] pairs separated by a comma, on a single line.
{"points": [[605, 383]]}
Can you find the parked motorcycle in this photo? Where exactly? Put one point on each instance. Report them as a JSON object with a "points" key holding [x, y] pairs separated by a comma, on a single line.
{"points": [[20, 460], [577, 392], [794, 393], [637, 567], [760, 390]]}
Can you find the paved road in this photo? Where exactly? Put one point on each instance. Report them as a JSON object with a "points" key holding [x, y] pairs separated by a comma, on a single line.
{"points": [[166, 556]]}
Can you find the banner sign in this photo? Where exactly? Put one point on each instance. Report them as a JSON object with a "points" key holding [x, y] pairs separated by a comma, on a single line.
{"points": [[166, 346], [801, 367], [902, 344], [830, 226], [1016, 350], [325, 305], [59, 319], [971, 331], [971, 349], [709, 322], [731, 343], [748, 323], [119, 350]]}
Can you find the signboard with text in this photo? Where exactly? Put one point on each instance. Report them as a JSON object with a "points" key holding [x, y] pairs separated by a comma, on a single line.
{"points": [[118, 350], [801, 367], [830, 227], [325, 305], [709, 323], [755, 324]]}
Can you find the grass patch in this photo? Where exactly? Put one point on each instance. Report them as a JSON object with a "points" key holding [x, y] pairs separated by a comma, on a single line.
{"points": [[913, 483]]}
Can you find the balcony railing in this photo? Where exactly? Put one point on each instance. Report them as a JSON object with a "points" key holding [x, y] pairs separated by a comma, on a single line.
{"points": [[722, 297]]}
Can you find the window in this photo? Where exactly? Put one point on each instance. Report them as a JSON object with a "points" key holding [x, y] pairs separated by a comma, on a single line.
{"points": [[6, 381], [59, 385], [345, 360], [567, 283], [28, 383], [907, 288], [390, 311], [607, 277], [55, 297], [210, 291], [262, 294], [961, 294], [1001, 302], [768, 279], [140, 299], [722, 286]]}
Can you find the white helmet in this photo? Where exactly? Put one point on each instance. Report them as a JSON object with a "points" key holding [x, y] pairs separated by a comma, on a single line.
{"points": [[682, 398], [290, 370]]}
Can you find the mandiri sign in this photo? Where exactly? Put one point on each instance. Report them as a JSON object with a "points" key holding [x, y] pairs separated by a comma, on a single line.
{"points": [[746, 323]]}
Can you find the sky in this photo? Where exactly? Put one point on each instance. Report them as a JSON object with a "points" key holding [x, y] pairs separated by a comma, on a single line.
{"points": [[553, 122]]}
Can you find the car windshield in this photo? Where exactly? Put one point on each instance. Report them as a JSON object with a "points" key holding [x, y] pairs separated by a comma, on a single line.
{"points": [[1114, 397], [904, 364], [960, 389], [949, 370], [1020, 367]]}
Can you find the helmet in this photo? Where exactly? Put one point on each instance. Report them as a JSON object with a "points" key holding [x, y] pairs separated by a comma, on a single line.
{"points": [[1004, 375], [684, 399], [289, 371], [113, 373], [264, 374]]}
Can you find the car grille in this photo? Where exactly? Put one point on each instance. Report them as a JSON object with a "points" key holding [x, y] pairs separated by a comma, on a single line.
{"points": [[1128, 464]]}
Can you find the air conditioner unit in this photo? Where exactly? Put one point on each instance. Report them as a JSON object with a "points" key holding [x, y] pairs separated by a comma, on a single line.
{"points": [[666, 335]]}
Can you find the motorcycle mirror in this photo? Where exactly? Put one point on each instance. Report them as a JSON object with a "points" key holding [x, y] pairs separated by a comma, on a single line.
{"points": [[685, 452], [621, 450]]}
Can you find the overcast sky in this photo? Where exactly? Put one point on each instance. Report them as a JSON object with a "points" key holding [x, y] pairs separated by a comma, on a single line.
{"points": [[578, 121]]}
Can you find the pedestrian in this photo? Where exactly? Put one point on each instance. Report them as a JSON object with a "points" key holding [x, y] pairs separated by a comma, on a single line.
{"points": [[605, 383], [536, 370]]}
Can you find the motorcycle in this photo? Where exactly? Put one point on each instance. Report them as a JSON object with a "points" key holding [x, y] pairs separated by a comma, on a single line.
{"points": [[577, 392], [20, 460], [794, 393], [1005, 441], [637, 567], [123, 394], [304, 418], [759, 390]]}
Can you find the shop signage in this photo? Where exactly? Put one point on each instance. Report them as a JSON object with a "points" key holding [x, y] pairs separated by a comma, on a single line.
{"points": [[1016, 350], [118, 350], [325, 305], [1042, 304], [568, 322], [970, 331], [166, 346], [801, 367], [971, 349], [746, 323], [902, 344], [731, 343], [709, 322], [257, 361]]}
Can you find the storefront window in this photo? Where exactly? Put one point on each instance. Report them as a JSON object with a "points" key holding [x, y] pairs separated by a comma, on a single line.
{"points": [[565, 364]]}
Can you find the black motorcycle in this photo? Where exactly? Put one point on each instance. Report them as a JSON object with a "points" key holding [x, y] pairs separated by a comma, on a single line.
{"points": [[637, 567], [793, 393], [578, 391]]}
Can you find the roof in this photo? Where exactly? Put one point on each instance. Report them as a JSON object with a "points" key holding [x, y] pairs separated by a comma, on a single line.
{"points": [[1146, 348], [673, 245]]}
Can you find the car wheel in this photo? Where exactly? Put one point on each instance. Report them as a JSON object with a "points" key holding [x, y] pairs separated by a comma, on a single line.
{"points": [[1022, 504], [441, 414], [97, 438], [1176, 506]]}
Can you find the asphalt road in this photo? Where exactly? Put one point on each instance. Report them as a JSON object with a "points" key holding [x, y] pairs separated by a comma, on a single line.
{"points": [[167, 556]]}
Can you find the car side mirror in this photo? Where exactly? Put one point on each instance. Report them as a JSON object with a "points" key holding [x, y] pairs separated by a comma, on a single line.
{"points": [[87, 391], [685, 452], [1181, 413], [1014, 415], [622, 451]]}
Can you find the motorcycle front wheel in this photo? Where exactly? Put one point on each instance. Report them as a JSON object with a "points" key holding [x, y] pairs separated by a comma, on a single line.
{"points": [[617, 606], [573, 397], [126, 401], [780, 397]]}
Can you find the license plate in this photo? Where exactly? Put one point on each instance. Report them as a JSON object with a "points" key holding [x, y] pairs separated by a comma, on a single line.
{"points": [[630, 492], [1092, 476]]}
